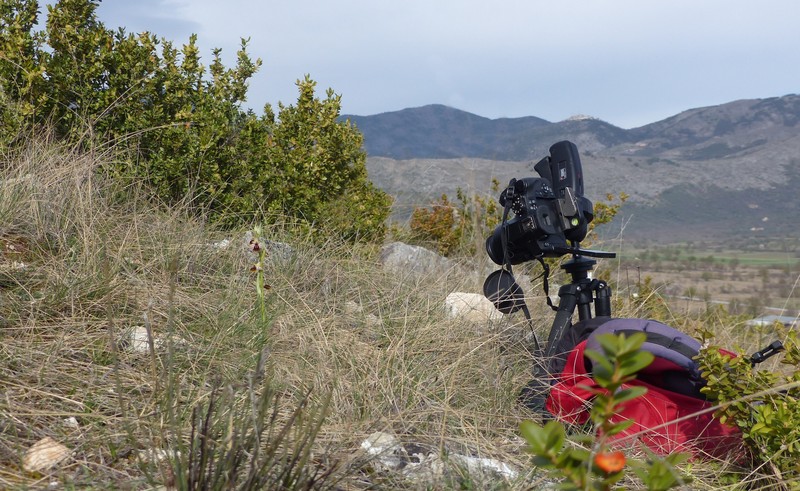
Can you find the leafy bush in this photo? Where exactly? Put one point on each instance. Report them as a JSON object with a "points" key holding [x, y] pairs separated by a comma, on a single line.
{"points": [[605, 211], [456, 227], [182, 124], [437, 224], [762, 403]]}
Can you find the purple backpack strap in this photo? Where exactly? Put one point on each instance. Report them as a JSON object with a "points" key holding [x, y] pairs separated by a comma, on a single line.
{"points": [[663, 342]]}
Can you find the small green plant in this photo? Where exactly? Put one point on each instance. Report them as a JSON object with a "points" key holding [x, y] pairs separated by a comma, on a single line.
{"points": [[262, 287], [588, 463], [605, 211], [762, 403]]}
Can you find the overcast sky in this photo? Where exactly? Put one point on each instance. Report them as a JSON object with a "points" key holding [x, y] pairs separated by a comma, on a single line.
{"points": [[628, 62]]}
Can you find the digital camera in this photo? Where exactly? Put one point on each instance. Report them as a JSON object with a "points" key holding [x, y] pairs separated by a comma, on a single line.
{"points": [[551, 214]]}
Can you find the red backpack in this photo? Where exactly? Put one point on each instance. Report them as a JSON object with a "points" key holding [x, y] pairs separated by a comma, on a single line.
{"points": [[673, 416]]}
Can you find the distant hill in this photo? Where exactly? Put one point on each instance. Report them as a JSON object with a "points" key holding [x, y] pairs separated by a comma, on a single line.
{"points": [[437, 131], [442, 132], [723, 171]]}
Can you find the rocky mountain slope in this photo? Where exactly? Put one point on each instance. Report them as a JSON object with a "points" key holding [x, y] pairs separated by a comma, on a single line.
{"points": [[709, 173]]}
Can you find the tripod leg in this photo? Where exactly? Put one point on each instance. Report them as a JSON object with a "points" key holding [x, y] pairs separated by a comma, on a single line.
{"points": [[563, 320], [534, 394]]}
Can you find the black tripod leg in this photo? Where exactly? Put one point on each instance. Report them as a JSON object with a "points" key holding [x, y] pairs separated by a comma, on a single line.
{"points": [[534, 394], [566, 308]]}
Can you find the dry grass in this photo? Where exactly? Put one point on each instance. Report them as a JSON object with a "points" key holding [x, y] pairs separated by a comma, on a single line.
{"points": [[86, 260]]}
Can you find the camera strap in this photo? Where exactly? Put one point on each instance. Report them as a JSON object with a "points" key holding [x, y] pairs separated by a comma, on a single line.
{"points": [[545, 284]]}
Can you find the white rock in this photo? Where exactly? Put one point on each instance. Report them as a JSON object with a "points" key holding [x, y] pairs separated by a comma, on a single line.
{"points": [[380, 442], [471, 307], [428, 469], [138, 340], [390, 455], [386, 449], [477, 465], [44, 454], [72, 423]]}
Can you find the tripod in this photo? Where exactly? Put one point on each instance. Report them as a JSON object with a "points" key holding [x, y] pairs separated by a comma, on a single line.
{"points": [[580, 294]]}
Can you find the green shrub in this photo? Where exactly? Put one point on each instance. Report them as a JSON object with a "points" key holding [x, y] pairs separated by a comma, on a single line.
{"points": [[180, 126], [762, 403], [456, 227], [605, 211]]}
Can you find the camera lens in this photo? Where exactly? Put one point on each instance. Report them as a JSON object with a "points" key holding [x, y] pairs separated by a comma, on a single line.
{"points": [[494, 245]]}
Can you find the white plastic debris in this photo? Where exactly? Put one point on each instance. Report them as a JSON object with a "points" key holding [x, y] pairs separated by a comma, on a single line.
{"points": [[44, 454]]}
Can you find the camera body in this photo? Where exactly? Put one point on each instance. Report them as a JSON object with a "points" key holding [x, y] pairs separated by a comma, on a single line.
{"points": [[550, 211]]}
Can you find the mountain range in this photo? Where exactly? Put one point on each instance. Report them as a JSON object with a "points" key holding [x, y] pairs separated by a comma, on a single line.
{"points": [[707, 174]]}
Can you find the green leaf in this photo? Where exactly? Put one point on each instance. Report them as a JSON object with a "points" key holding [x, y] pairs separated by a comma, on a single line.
{"points": [[632, 343], [629, 393], [610, 343], [619, 427], [579, 454], [602, 367], [635, 362], [678, 458], [535, 435], [555, 436]]}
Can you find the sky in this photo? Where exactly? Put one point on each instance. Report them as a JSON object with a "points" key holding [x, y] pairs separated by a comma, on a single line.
{"points": [[627, 62]]}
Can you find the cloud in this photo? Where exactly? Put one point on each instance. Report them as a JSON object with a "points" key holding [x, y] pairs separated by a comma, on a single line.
{"points": [[624, 60], [156, 16]]}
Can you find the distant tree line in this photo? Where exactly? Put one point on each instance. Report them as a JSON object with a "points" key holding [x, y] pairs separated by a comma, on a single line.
{"points": [[178, 125]]}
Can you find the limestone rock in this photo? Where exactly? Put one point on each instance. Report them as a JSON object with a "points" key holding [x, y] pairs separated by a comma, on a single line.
{"points": [[386, 450], [423, 465], [44, 454], [404, 258], [138, 341], [471, 307]]}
